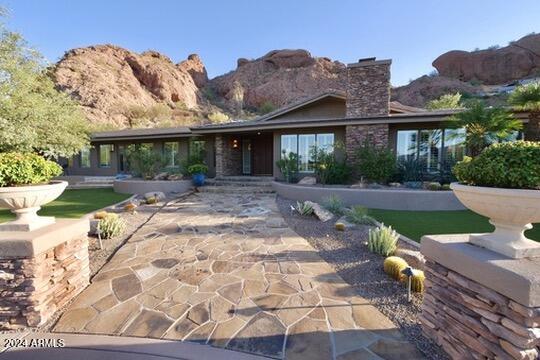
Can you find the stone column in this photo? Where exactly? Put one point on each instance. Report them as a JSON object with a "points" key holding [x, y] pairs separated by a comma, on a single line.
{"points": [[40, 271], [479, 304], [356, 136], [220, 147]]}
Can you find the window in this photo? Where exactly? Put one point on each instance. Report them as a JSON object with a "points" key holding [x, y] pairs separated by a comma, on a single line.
{"points": [[454, 144], [197, 148], [302, 144], [170, 151], [430, 149], [105, 155], [85, 158], [407, 145]]}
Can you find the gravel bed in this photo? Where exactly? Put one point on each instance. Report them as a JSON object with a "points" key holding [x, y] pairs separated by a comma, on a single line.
{"points": [[347, 252]]}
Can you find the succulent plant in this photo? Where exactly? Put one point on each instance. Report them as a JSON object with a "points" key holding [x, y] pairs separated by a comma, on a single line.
{"points": [[111, 226], [100, 215], [382, 240], [417, 281], [393, 265], [359, 215], [304, 208]]}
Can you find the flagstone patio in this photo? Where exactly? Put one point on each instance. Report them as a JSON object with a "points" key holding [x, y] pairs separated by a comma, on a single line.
{"points": [[225, 270]]}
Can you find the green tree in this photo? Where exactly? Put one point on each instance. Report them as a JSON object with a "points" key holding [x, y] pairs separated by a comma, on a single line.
{"points": [[484, 125], [266, 107], [447, 101], [527, 98], [34, 115]]}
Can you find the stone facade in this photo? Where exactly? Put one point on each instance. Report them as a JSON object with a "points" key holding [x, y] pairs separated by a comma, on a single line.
{"points": [[470, 320], [32, 288], [356, 136], [228, 159], [368, 88], [532, 129]]}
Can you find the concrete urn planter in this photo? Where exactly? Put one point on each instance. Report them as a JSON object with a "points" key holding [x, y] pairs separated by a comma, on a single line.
{"points": [[25, 201], [511, 211]]}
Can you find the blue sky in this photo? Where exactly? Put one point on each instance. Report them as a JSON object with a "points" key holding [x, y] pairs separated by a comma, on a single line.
{"points": [[412, 33]]}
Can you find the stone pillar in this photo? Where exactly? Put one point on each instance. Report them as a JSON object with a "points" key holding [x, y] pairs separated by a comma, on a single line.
{"points": [[40, 271], [368, 88], [228, 159], [219, 147], [479, 304], [356, 136]]}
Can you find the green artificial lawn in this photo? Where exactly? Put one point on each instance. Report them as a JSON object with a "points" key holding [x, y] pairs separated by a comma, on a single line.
{"points": [[75, 203], [415, 224]]}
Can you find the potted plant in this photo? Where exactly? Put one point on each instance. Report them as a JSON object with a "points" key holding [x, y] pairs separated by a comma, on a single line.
{"points": [[26, 185], [198, 173], [503, 184]]}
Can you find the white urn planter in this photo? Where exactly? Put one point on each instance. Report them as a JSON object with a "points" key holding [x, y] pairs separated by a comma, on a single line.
{"points": [[25, 201], [511, 211]]}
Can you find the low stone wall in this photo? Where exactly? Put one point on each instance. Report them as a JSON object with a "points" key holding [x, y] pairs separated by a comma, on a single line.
{"points": [[134, 186], [466, 316], [36, 279], [420, 200]]}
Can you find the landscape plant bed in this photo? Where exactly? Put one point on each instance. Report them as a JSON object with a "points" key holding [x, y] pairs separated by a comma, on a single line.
{"points": [[347, 252], [74, 203], [415, 224]]}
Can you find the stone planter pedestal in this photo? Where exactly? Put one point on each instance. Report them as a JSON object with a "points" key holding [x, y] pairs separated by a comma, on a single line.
{"points": [[480, 304], [40, 271]]}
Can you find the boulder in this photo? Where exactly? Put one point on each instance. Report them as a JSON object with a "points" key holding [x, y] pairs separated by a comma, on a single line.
{"points": [[175, 177], [413, 257], [343, 224], [93, 226], [359, 185], [162, 176], [308, 180], [320, 212], [157, 195]]}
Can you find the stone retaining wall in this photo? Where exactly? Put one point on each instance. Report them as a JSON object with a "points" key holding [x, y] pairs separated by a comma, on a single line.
{"points": [[470, 320], [33, 287]]}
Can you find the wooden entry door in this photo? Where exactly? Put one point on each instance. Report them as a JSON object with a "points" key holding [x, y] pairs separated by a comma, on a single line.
{"points": [[262, 154]]}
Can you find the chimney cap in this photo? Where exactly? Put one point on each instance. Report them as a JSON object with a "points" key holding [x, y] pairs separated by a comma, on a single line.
{"points": [[370, 61]]}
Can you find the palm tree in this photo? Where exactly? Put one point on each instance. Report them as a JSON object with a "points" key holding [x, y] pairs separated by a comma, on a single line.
{"points": [[484, 125], [527, 98]]}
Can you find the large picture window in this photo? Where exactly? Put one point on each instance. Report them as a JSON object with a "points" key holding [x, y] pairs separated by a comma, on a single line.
{"points": [[105, 155], [301, 144], [84, 158], [170, 151]]}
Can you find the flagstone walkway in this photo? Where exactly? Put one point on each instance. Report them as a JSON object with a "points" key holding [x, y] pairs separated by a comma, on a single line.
{"points": [[225, 270]]}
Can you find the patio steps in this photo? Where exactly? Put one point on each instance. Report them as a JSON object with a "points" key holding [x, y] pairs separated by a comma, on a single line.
{"points": [[238, 184]]}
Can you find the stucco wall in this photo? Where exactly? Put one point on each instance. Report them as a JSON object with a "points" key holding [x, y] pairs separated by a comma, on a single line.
{"points": [[323, 109], [141, 187], [420, 200]]}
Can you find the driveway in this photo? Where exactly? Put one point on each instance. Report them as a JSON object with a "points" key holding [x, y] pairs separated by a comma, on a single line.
{"points": [[225, 270]]}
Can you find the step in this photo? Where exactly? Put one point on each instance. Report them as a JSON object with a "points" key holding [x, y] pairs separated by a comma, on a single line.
{"points": [[246, 178], [220, 182], [236, 189]]}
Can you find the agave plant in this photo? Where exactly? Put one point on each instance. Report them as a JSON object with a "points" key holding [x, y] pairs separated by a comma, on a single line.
{"points": [[304, 208]]}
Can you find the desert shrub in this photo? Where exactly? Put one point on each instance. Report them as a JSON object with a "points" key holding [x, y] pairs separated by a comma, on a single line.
{"points": [[446, 101], [197, 169], [327, 169], [359, 215], [266, 107], [218, 117], [411, 170], [382, 240], [111, 226], [393, 265], [144, 161], [513, 165], [25, 169], [334, 204], [434, 186], [304, 208], [445, 187], [288, 165], [376, 164]]}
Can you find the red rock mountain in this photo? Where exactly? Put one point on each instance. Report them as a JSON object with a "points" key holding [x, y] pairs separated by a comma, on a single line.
{"points": [[110, 82]]}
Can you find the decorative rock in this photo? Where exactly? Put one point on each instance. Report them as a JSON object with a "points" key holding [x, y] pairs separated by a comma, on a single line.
{"points": [[413, 257], [394, 184], [93, 226], [161, 176], [308, 180], [342, 224], [359, 185], [158, 195], [321, 213]]}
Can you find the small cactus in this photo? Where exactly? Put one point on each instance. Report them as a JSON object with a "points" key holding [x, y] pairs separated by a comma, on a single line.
{"points": [[304, 208], [382, 240], [151, 200], [393, 266], [130, 207], [100, 215], [417, 281]]}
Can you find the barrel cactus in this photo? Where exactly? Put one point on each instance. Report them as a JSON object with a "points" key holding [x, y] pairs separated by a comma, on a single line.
{"points": [[393, 265], [417, 281]]}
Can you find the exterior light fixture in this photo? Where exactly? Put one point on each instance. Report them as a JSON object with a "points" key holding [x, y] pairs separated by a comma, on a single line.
{"points": [[259, 133], [408, 272], [235, 143]]}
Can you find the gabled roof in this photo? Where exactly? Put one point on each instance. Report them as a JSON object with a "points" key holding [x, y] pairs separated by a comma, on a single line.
{"points": [[147, 133]]}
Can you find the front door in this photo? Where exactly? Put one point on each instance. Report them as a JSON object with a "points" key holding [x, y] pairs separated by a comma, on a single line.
{"points": [[262, 154], [246, 156]]}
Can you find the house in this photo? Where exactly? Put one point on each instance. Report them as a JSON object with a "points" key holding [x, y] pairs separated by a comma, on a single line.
{"points": [[253, 147]]}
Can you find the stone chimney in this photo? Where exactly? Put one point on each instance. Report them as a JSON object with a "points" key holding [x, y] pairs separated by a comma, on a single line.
{"points": [[368, 88]]}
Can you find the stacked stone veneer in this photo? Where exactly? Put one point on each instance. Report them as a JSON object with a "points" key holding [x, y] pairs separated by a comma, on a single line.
{"points": [[32, 288], [228, 160], [471, 321], [357, 135]]}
